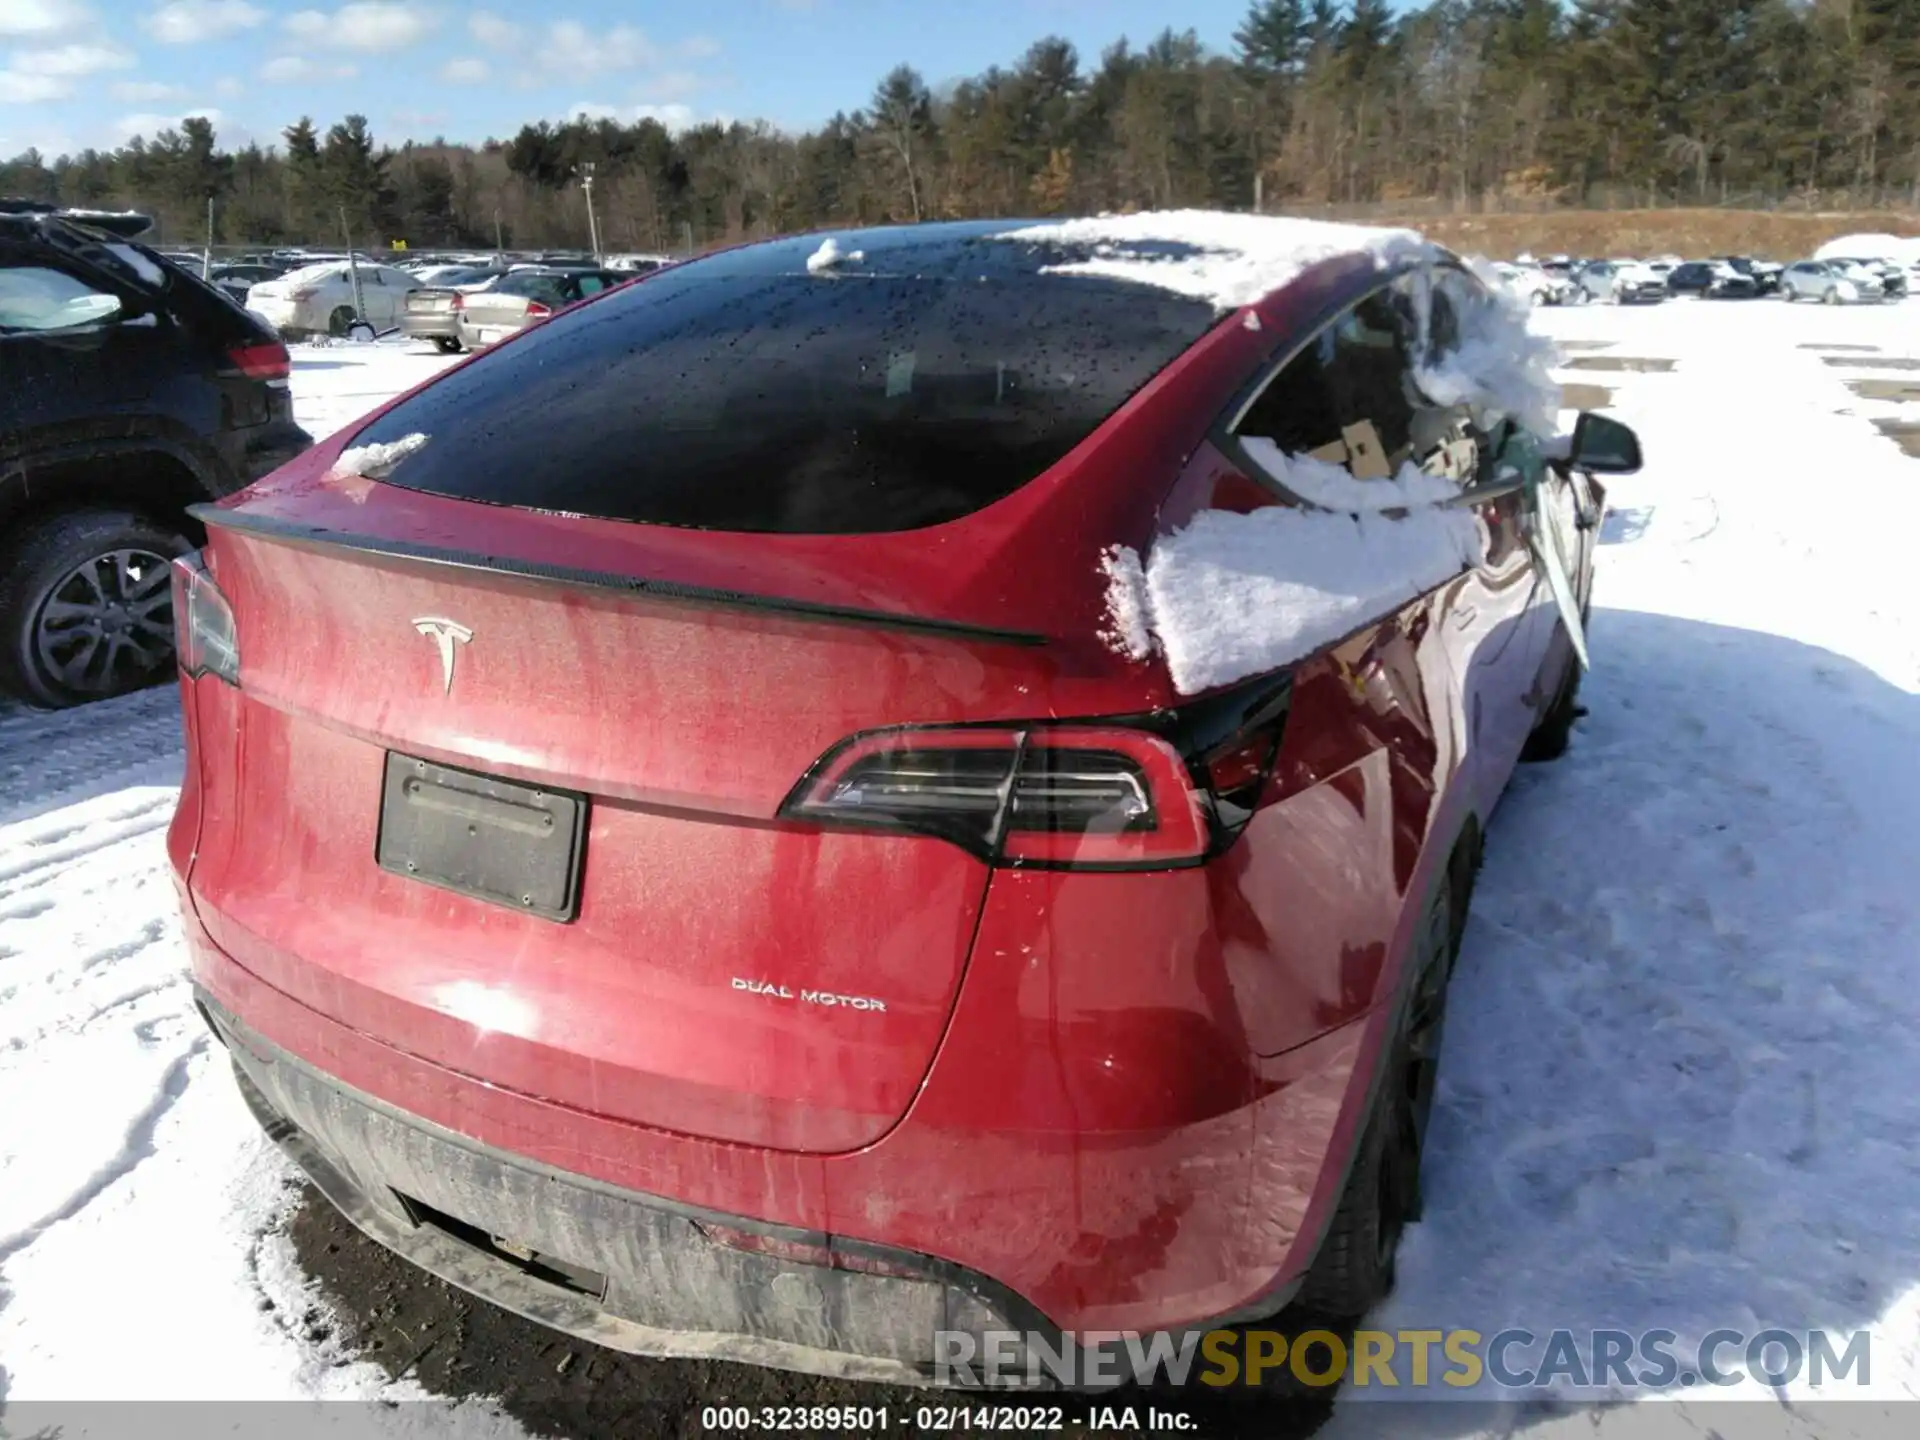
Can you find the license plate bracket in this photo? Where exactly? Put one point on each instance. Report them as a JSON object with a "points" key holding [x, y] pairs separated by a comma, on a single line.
{"points": [[479, 835]]}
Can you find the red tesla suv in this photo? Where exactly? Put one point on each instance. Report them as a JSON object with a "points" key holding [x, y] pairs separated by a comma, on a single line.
{"points": [[672, 846]]}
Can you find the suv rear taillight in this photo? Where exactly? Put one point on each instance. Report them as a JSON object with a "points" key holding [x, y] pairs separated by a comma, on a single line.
{"points": [[538, 311], [204, 636], [269, 361], [1149, 792]]}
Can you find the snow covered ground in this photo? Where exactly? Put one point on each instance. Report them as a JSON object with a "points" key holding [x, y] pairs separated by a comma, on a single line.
{"points": [[1683, 1063]]}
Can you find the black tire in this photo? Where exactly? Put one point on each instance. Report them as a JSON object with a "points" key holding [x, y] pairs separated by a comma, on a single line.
{"points": [[1553, 731], [1353, 1270], [446, 344], [340, 321], [86, 607], [361, 332]]}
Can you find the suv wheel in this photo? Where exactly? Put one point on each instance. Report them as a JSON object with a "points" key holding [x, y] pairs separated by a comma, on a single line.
{"points": [[1353, 1270], [86, 607]]}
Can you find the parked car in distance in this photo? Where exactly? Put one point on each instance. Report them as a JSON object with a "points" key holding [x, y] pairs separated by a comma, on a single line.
{"points": [[129, 390], [801, 897], [1832, 282], [320, 299], [1622, 282], [433, 311], [1765, 274], [238, 277], [1892, 278], [521, 298], [1712, 280], [638, 264], [1534, 285]]}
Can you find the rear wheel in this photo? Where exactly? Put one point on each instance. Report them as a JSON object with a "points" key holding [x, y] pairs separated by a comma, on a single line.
{"points": [[1553, 732], [446, 344], [340, 321], [1353, 1270], [86, 607]]}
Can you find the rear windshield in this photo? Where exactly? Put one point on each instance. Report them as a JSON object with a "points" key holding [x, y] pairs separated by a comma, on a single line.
{"points": [[936, 373]]}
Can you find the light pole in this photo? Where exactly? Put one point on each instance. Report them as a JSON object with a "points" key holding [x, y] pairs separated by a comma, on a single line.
{"points": [[593, 227]]}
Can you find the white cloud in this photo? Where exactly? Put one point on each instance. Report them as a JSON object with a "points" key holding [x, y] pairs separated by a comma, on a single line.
{"points": [[20, 87], [74, 59], [674, 116], [188, 22], [373, 25], [466, 70], [418, 122], [148, 124], [698, 47], [672, 84], [495, 33], [39, 17], [300, 70], [228, 87], [571, 49], [145, 92]]}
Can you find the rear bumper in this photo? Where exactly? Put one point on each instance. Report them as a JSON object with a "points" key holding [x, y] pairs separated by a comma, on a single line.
{"points": [[628, 1271], [1188, 1216], [429, 327]]}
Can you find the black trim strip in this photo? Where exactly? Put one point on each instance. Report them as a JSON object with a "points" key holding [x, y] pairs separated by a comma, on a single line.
{"points": [[244, 523]]}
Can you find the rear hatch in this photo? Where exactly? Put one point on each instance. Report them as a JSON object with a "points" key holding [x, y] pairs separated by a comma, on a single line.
{"points": [[641, 573]]}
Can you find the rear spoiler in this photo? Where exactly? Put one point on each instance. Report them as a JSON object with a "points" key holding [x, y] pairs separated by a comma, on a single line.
{"points": [[221, 517], [127, 224]]}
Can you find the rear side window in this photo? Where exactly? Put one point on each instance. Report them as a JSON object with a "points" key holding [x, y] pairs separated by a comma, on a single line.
{"points": [[929, 377], [36, 297], [1349, 395], [1355, 371]]}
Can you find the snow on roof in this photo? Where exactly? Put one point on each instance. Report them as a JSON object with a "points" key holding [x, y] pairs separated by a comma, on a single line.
{"points": [[829, 255], [317, 271], [1227, 259]]}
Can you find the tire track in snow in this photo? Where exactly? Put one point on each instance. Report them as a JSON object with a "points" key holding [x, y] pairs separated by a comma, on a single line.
{"points": [[156, 815], [137, 1147]]}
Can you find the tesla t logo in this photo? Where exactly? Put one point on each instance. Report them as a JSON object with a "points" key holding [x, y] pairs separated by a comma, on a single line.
{"points": [[445, 634]]}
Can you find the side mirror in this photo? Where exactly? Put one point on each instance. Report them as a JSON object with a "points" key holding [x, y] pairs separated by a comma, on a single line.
{"points": [[1604, 446]]}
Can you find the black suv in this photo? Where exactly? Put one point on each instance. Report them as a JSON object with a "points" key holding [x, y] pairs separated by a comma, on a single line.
{"points": [[129, 390], [1712, 279]]}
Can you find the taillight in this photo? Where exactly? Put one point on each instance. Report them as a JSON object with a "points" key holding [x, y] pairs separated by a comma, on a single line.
{"points": [[1139, 792], [269, 361], [537, 311], [204, 636], [300, 296], [1051, 796], [459, 302]]}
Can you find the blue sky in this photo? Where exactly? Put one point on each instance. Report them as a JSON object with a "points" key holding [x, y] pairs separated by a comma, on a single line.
{"points": [[91, 72]]}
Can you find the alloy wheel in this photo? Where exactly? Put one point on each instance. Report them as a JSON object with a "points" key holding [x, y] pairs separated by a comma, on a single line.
{"points": [[107, 624]]}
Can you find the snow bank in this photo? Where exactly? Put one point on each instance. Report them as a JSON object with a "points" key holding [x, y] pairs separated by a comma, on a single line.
{"points": [[1229, 260], [1502, 367], [373, 461], [1234, 595], [1902, 251]]}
